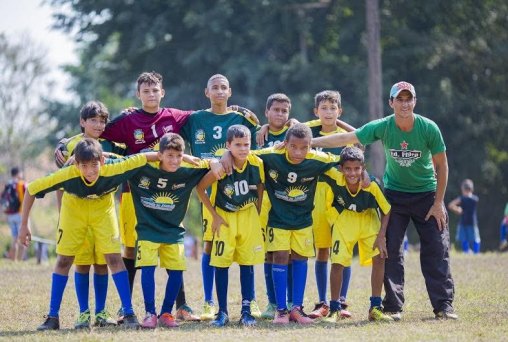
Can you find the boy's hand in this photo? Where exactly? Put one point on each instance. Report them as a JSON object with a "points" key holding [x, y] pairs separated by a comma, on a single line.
{"points": [[365, 179], [217, 168], [216, 223], [262, 135], [130, 110], [246, 112], [61, 153], [25, 235], [291, 122], [227, 162], [380, 243], [279, 146], [69, 161], [191, 159]]}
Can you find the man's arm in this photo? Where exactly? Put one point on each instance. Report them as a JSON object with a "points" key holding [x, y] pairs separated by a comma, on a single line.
{"points": [[25, 234], [438, 208], [454, 206], [335, 140]]}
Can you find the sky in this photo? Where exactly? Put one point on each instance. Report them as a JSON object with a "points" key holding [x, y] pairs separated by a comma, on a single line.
{"points": [[30, 17]]}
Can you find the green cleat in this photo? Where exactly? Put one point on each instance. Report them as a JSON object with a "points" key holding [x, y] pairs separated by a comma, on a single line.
{"points": [[83, 321], [269, 312], [104, 319], [377, 314], [254, 309]]}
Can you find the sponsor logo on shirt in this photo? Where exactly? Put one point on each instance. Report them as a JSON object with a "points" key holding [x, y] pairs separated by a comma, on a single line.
{"points": [[162, 201], [144, 183], [293, 194], [405, 157], [308, 179], [139, 136], [178, 186]]}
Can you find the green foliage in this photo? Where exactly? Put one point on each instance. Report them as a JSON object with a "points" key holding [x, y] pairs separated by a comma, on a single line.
{"points": [[454, 52]]}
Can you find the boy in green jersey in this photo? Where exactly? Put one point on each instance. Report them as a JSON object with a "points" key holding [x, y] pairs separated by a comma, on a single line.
{"points": [[235, 201], [357, 222], [161, 193], [87, 203]]}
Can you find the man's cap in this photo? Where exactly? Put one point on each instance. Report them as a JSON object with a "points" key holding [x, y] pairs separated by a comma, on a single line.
{"points": [[400, 86]]}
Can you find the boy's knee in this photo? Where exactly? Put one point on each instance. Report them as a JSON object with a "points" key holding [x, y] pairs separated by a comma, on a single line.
{"points": [[207, 247], [63, 264], [115, 262]]}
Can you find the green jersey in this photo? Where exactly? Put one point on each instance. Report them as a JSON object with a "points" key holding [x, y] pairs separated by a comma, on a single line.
{"points": [[291, 187], [370, 197], [239, 190], [205, 132], [409, 166], [275, 137], [69, 179], [161, 199], [316, 127]]}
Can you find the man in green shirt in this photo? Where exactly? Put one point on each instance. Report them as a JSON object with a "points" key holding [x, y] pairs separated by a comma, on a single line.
{"points": [[415, 182]]}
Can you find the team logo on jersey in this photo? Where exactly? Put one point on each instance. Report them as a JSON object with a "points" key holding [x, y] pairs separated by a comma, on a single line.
{"points": [[167, 129], [199, 136], [405, 157], [139, 136], [229, 190], [144, 183], [162, 201], [273, 175], [340, 201], [292, 194]]}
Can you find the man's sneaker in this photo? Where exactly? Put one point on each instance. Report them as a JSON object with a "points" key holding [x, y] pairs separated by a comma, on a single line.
{"points": [[83, 321], [150, 321], [281, 317], [104, 319], [167, 320], [320, 310], [208, 312], [221, 319], [447, 315], [376, 314], [254, 309], [120, 316], [184, 313], [297, 315], [51, 323], [332, 317], [269, 312], [247, 320], [130, 322], [397, 316]]}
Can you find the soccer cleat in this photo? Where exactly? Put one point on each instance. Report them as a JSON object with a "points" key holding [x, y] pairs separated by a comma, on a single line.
{"points": [[130, 322], [376, 314], [185, 313], [343, 303], [297, 315], [320, 310], [345, 313], [254, 309], [332, 317], [167, 320], [247, 320], [208, 312], [150, 321], [104, 319], [503, 245], [83, 321], [397, 316], [51, 323], [447, 315], [269, 312], [281, 317], [120, 316], [221, 319]]}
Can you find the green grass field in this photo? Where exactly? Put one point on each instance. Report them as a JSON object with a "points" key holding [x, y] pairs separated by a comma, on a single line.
{"points": [[481, 301]]}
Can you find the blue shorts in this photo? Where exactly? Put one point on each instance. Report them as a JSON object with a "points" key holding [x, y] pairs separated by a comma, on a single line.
{"points": [[14, 221], [468, 233]]}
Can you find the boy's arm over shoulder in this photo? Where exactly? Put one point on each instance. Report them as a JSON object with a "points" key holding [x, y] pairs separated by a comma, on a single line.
{"points": [[380, 197], [52, 182]]}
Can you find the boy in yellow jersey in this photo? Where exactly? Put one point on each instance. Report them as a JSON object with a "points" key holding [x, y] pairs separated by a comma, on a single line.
{"points": [[93, 118], [205, 131], [357, 222], [235, 222], [328, 108], [87, 203]]}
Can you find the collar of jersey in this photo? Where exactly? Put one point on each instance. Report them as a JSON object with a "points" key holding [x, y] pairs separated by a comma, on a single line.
{"points": [[86, 182], [279, 132]]}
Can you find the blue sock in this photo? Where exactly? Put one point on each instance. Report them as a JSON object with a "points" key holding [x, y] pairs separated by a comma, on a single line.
{"points": [[346, 277], [221, 286], [502, 231], [81, 284], [270, 292], [253, 296], [121, 280], [280, 283], [335, 305], [175, 279], [299, 281], [321, 270], [290, 281], [100, 284], [247, 285], [375, 302], [476, 247], [207, 271], [148, 287], [465, 246], [57, 290]]}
